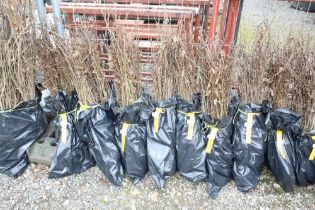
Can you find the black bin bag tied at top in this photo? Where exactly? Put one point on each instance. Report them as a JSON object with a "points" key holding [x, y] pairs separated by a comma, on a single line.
{"points": [[305, 159], [72, 154], [250, 134], [131, 135], [53, 106], [100, 133], [280, 155], [161, 143], [20, 127], [190, 143], [218, 134]]}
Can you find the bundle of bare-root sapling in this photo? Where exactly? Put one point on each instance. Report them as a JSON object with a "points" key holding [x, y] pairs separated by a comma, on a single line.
{"points": [[22, 120], [74, 64], [124, 63]]}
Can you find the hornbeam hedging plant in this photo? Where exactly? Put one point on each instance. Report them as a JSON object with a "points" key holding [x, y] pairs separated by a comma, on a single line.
{"points": [[17, 55], [283, 73], [73, 64], [124, 61]]}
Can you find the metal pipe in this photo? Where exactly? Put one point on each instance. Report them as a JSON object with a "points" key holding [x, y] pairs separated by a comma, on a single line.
{"points": [[41, 12], [57, 17]]}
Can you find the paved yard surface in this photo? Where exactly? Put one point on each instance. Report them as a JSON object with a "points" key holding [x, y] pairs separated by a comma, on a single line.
{"points": [[278, 15]]}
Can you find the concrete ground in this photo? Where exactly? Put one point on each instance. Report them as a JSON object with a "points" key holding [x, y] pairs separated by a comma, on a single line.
{"points": [[279, 16]]}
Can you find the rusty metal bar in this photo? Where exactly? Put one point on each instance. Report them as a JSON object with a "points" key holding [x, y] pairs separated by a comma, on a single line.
{"points": [[223, 19], [206, 20], [197, 28], [137, 6], [126, 12], [233, 17], [230, 23], [214, 19], [174, 2]]}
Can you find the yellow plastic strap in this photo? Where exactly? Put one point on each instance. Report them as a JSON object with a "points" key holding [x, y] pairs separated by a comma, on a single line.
{"points": [[191, 125], [63, 124], [312, 155], [280, 143], [14, 108], [211, 138], [123, 133], [249, 125], [156, 119], [84, 107]]}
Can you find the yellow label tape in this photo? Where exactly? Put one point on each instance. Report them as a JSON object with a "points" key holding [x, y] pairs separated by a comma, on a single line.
{"points": [[211, 138], [123, 133], [191, 124], [84, 107], [249, 125], [156, 119], [312, 155], [280, 143], [63, 124]]}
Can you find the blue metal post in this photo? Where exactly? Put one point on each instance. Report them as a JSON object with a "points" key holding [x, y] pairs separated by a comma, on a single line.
{"points": [[41, 12], [57, 17]]}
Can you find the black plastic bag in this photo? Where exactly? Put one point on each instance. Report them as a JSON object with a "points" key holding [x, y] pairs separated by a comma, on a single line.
{"points": [[280, 146], [161, 144], [190, 143], [53, 106], [250, 134], [20, 127], [305, 159], [70, 102], [218, 134], [100, 129], [72, 155], [131, 135]]}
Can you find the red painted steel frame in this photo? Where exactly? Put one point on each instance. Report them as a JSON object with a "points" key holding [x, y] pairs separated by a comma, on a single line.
{"points": [[226, 33], [229, 23], [174, 2], [214, 19]]}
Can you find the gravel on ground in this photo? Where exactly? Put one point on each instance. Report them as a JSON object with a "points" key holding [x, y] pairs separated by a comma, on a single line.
{"points": [[91, 190]]}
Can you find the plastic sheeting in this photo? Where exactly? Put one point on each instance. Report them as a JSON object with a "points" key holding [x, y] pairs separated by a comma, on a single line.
{"points": [[219, 150], [131, 135], [305, 159], [285, 126], [250, 134], [20, 127], [161, 145], [190, 141], [72, 155]]}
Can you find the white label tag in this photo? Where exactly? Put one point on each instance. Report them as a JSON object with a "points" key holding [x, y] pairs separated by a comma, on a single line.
{"points": [[191, 121], [123, 132], [155, 114]]}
